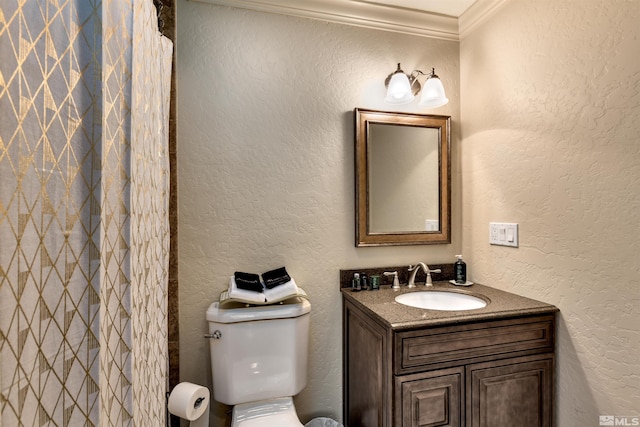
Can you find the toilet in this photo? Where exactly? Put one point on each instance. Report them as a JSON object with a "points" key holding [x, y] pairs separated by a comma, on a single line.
{"points": [[259, 360]]}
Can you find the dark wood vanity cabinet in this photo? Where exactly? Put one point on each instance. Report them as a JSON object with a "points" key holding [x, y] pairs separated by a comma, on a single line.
{"points": [[484, 373]]}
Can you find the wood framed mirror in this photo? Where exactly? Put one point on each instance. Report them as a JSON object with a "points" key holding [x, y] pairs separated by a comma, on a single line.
{"points": [[403, 178]]}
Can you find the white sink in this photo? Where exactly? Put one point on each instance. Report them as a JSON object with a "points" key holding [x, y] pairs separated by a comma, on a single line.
{"points": [[441, 300]]}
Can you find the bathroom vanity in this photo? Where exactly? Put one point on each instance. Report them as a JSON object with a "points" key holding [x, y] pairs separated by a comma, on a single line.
{"points": [[406, 366]]}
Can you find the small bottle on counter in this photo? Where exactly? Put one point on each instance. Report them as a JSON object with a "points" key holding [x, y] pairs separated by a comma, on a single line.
{"points": [[356, 285], [375, 282], [460, 270], [364, 282]]}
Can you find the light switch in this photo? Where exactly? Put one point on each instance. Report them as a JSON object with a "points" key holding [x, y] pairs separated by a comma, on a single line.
{"points": [[503, 234]]}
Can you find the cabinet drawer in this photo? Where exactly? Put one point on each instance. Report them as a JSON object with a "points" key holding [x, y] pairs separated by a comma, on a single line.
{"points": [[459, 344]]}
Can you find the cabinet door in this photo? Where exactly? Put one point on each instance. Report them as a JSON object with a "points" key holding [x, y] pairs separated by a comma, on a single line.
{"points": [[511, 392], [430, 399], [367, 371]]}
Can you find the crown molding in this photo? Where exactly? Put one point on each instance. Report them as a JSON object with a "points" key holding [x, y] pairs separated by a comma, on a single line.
{"points": [[478, 12], [366, 14], [358, 13]]}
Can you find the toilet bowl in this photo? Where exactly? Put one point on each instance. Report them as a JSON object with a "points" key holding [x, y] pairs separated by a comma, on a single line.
{"points": [[259, 360]]}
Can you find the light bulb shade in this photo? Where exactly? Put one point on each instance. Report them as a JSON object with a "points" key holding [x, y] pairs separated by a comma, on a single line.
{"points": [[433, 93], [399, 89]]}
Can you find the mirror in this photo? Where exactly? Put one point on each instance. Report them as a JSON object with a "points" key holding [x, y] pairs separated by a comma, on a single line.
{"points": [[403, 173]]}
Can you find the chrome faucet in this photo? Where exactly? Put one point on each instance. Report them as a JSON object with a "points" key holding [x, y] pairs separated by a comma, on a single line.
{"points": [[413, 269]]}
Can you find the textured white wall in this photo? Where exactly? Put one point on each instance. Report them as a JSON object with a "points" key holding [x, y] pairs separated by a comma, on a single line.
{"points": [[265, 166], [550, 105]]}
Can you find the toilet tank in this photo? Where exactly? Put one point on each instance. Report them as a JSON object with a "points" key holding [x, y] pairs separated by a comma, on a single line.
{"points": [[261, 352]]}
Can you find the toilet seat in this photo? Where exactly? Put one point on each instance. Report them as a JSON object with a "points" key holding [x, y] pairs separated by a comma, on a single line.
{"points": [[266, 413]]}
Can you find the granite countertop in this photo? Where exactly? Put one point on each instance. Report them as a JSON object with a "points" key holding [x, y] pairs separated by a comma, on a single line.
{"points": [[382, 305]]}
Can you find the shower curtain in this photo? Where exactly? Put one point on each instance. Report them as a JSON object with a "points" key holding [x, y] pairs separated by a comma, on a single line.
{"points": [[84, 234]]}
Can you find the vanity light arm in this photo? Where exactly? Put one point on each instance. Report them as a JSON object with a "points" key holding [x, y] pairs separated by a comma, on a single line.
{"points": [[422, 73], [413, 77], [414, 83]]}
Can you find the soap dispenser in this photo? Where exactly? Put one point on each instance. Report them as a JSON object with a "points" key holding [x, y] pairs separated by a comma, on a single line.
{"points": [[460, 269]]}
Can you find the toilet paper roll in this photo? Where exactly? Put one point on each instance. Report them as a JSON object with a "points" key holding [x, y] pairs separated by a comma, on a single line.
{"points": [[189, 401]]}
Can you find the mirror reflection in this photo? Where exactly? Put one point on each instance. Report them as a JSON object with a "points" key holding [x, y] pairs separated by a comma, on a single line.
{"points": [[402, 178]]}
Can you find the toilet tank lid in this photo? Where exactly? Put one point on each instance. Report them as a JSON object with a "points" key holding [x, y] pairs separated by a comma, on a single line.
{"points": [[288, 309]]}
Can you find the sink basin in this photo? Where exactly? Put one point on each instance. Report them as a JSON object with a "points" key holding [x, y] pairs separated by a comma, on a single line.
{"points": [[441, 300]]}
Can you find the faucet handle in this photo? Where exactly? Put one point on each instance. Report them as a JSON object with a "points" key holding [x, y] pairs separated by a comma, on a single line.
{"points": [[429, 281], [396, 282]]}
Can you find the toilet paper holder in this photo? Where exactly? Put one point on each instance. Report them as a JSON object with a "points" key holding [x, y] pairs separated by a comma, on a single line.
{"points": [[190, 402]]}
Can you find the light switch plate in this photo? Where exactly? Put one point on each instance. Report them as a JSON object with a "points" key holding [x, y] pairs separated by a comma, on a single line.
{"points": [[503, 234]]}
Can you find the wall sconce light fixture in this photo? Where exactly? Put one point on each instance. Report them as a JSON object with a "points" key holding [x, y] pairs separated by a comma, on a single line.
{"points": [[402, 88]]}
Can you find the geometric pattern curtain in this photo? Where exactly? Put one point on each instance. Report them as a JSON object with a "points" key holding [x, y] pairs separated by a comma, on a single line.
{"points": [[152, 57], [83, 213]]}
